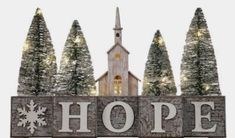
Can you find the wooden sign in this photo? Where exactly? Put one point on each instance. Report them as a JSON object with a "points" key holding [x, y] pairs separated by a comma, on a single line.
{"points": [[118, 116]]}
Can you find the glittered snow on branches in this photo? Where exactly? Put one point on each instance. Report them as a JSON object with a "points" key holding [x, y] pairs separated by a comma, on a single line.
{"points": [[198, 69], [158, 76]]}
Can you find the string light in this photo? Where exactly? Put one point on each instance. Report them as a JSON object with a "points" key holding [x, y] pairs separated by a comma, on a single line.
{"points": [[82, 40], [74, 62], [66, 60], [50, 59], [93, 91], [39, 12], [26, 46], [165, 81], [146, 81], [160, 41], [206, 87], [77, 39], [184, 78], [200, 32]]}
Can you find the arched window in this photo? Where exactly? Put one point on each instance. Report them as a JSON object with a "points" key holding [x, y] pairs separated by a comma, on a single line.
{"points": [[117, 85]]}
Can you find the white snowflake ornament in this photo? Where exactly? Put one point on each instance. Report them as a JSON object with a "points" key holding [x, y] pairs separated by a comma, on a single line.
{"points": [[32, 117]]}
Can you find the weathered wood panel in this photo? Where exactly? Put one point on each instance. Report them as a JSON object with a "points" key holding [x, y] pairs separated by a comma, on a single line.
{"points": [[103, 86], [181, 124], [74, 123], [172, 127], [133, 85], [118, 116], [29, 106], [217, 116]]}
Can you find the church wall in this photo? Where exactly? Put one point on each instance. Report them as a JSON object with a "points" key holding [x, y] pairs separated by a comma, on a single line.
{"points": [[133, 86], [103, 86], [118, 67]]}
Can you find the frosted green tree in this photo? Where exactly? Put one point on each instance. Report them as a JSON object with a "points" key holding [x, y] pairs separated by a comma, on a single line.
{"points": [[38, 65], [198, 69], [158, 76], [75, 76]]}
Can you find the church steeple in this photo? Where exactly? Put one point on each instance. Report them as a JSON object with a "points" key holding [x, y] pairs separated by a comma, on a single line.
{"points": [[118, 80], [117, 29]]}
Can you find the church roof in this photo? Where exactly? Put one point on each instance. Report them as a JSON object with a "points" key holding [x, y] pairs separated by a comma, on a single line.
{"points": [[106, 73], [133, 75], [117, 22], [117, 44]]}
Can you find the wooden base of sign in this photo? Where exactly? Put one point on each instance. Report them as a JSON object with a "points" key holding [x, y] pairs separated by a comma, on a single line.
{"points": [[44, 116]]}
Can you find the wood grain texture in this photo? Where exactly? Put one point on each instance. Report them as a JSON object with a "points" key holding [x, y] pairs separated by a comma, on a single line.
{"points": [[20, 102], [217, 116], [118, 117], [179, 126], [103, 85], [132, 85], [75, 110], [173, 127]]}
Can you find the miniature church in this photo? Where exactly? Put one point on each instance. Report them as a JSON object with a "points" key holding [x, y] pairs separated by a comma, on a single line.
{"points": [[118, 80]]}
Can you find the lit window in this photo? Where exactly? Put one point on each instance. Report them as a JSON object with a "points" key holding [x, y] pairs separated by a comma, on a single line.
{"points": [[117, 56], [117, 85]]}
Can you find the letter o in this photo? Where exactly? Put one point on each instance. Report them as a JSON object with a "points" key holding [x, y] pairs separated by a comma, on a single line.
{"points": [[129, 116]]}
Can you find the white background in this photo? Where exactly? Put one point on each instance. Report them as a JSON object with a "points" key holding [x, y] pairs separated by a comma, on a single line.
{"points": [[140, 20]]}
